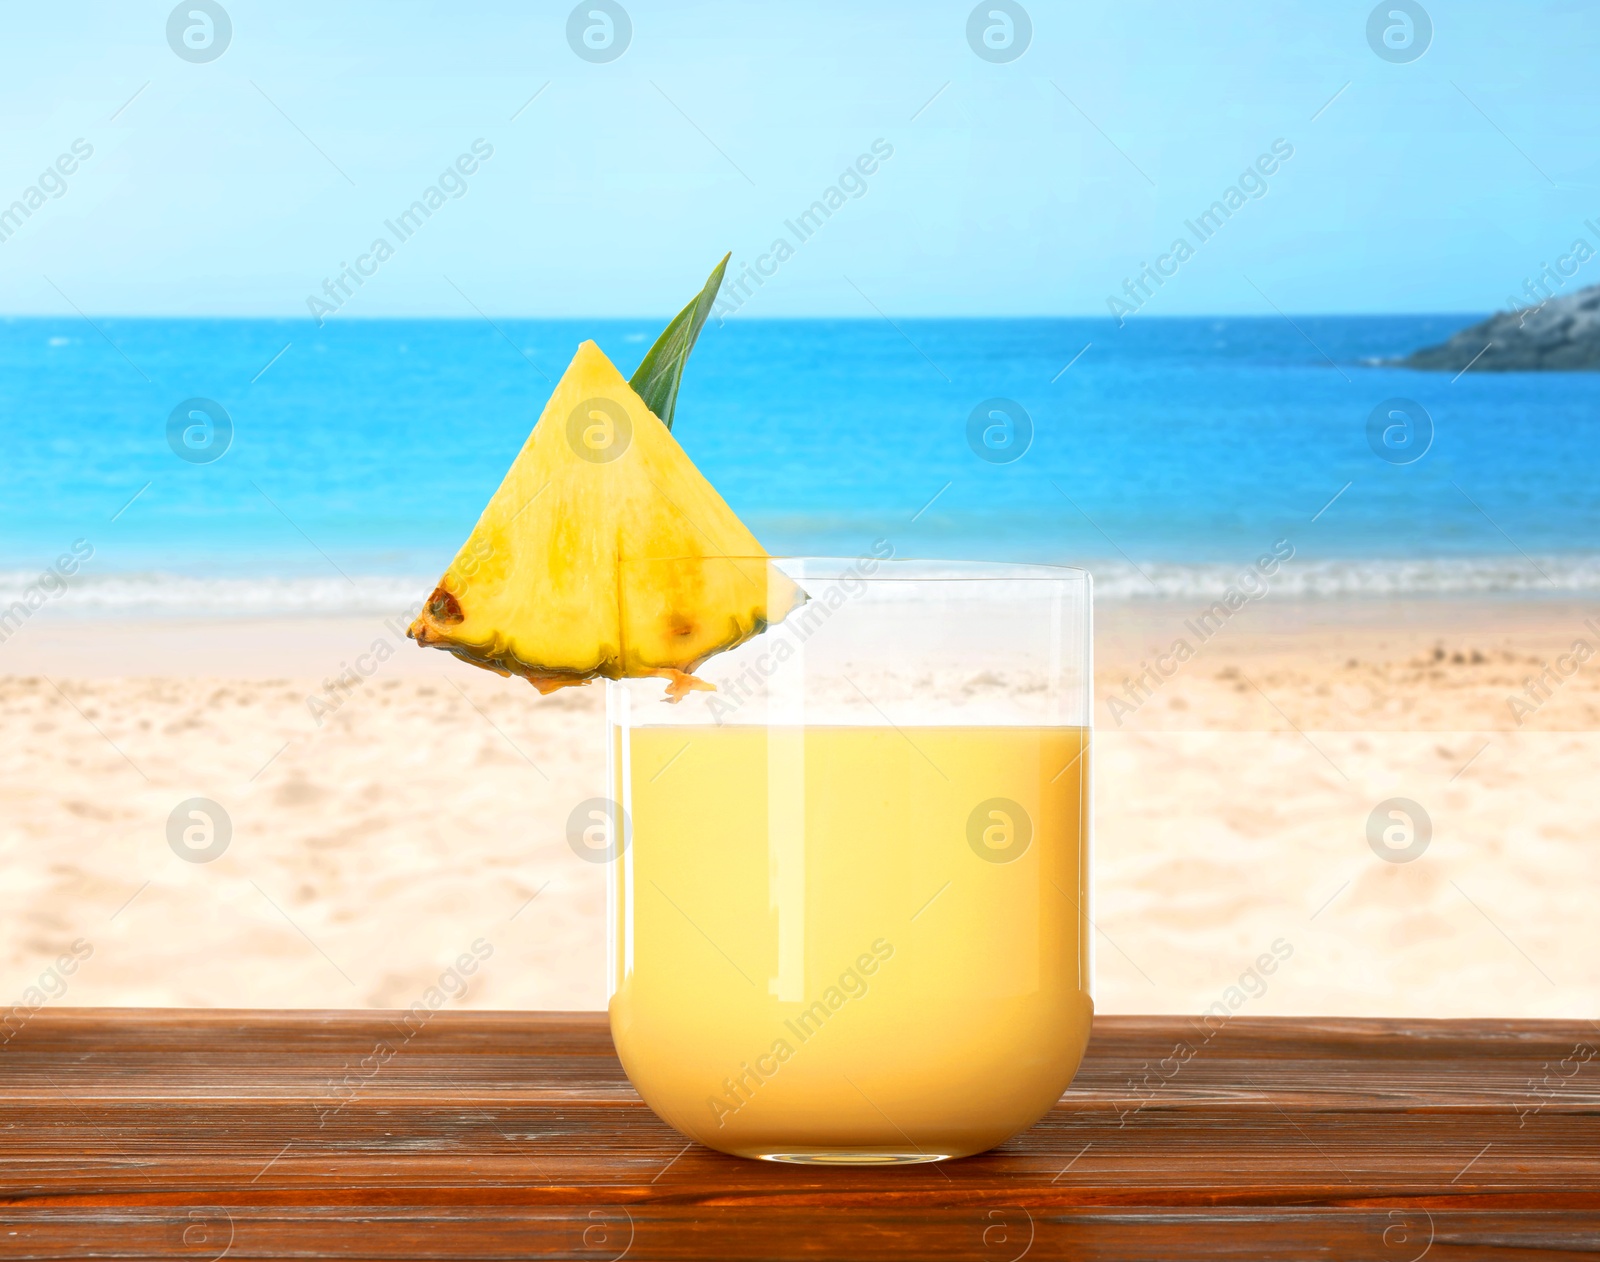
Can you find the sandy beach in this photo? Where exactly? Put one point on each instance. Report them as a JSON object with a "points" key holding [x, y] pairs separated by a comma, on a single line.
{"points": [[426, 813]]}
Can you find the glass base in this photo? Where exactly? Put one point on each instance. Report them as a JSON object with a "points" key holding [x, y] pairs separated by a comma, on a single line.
{"points": [[855, 1157]]}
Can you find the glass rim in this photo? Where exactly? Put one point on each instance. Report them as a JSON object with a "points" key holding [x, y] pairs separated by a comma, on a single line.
{"points": [[900, 569]]}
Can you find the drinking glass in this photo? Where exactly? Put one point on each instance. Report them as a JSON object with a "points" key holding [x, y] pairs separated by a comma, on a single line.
{"points": [[849, 914]]}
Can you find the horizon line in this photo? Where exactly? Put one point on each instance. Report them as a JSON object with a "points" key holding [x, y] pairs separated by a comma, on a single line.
{"points": [[762, 319]]}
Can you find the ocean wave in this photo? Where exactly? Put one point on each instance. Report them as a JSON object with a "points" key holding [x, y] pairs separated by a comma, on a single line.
{"points": [[183, 595], [1431, 576], [172, 595]]}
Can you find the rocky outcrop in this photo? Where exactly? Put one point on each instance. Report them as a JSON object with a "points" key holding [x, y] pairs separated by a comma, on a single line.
{"points": [[1559, 335]]}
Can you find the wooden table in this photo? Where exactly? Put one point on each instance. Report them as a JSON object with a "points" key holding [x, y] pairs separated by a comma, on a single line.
{"points": [[143, 1133]]}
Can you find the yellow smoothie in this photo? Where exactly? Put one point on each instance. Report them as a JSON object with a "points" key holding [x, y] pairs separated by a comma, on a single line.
{"points": [[851, 943]]}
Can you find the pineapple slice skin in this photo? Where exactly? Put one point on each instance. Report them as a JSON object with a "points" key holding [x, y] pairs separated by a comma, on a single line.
{"points": [[605, 554]]}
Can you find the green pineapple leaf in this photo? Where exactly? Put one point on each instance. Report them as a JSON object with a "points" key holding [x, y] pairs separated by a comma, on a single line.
{"points": [[657, 378]]}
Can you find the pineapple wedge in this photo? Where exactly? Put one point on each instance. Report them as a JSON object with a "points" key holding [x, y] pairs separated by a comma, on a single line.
{"points": [[604, 554]]}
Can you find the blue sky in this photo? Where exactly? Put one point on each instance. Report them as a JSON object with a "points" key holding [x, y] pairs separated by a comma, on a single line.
{"points": [[241, 185]]}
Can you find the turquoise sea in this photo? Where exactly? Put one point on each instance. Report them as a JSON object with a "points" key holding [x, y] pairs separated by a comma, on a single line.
{"points": [[1163, 455]]}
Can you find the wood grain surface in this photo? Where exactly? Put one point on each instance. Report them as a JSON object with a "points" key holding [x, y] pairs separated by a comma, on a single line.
{"points": [[203, 1134]]}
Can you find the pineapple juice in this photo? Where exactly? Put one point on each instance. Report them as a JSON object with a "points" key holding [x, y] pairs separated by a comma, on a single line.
{"points": [[851, 943]]}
